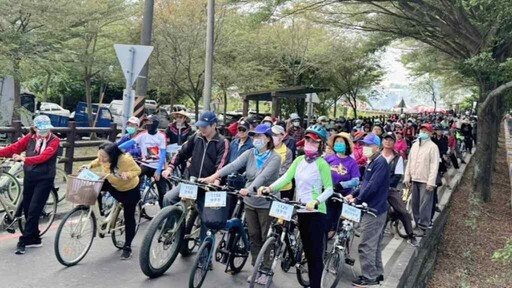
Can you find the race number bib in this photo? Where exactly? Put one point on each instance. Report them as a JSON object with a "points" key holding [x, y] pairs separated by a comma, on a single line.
{"points": [[215, 199], [281, 211], [351, 213], [188, 191]]}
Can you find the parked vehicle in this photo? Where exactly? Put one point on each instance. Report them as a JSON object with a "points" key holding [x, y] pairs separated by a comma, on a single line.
{"points": [[54, 109]]}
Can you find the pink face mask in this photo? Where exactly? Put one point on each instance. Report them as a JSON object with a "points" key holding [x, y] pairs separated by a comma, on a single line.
{"points": [[311, 150]]}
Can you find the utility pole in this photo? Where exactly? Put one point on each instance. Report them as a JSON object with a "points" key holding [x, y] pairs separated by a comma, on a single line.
{"points": [[145, 39], [208, 76]]}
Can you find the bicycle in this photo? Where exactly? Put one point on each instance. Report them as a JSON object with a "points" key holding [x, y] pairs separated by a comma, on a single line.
{"points": [[85, 221], [235, 251], [10, 189], [279, 240], [175, 229], [339, 255]]}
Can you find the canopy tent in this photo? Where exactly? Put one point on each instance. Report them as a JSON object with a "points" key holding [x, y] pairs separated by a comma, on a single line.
{"points": [[275, 96]]}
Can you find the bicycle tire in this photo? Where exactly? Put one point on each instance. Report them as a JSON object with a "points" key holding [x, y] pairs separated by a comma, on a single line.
{"points": [[10, 189], [399, 229], [272, 246], [118, 228], [61, 180], [301, 269], [202, 262], [172, 214], [47, 215], [190, 223], [333, 266], [150, 202], [84, 211], [238, 251]]}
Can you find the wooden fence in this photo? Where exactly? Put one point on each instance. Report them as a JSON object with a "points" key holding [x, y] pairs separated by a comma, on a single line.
{"points": [[70, 140]]}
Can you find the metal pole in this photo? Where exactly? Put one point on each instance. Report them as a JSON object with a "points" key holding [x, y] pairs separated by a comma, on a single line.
{"points": [[145, 39], [208, 76], [128, 96]]}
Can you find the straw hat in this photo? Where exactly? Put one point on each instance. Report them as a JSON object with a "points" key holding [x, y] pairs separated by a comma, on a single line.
{"points": [[344, 135]]}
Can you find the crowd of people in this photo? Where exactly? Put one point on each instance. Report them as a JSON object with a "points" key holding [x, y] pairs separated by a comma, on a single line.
{"points": [[366, 160]]}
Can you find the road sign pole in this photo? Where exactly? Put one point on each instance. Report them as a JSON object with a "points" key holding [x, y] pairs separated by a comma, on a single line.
{"points": [[208, 76], [128, 95]]}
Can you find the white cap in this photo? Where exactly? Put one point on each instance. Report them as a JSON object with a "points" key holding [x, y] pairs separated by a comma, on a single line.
{"points": [[134, 120], [276, 129], [294, 116]]}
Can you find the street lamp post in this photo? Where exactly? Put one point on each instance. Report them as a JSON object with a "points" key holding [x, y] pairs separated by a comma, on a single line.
{"points": [[208, 76]]}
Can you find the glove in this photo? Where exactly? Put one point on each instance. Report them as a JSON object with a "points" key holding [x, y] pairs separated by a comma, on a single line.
{"points": [[312, 205]]}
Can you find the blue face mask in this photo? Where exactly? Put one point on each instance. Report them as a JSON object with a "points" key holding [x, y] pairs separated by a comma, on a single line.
{"points": [[423, 136], [258, 143], [131, 130], [340, 148]]}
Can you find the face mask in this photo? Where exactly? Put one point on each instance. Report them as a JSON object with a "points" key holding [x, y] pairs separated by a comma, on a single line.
{"points": [[276, 140], [296, 124], [152, 128], [42, 132], [340, 148], [268, 124], [367, 152], [131, 130], [409, 124], [423, 136], [311, 150], [259, 143], [358, 125]]}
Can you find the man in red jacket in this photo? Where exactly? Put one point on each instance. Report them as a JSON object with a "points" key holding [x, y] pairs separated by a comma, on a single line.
{"points": [[40, 147]]}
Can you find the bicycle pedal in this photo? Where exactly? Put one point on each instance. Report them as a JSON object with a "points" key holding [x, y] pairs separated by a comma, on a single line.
{"points": [[350, 261], [11, 230]]}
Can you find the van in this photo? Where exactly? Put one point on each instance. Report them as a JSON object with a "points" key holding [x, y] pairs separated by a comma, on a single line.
{"points": [[116, 108]]}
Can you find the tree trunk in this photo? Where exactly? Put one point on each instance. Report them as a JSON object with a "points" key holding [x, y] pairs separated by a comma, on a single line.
{"points": [[17, 90], [354, 109], [196, 107], [225, 95], [335, 104], [46, 85], [88, 97]]}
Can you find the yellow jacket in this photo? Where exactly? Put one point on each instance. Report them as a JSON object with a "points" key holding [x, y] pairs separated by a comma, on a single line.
{"points": [[124, 164]]}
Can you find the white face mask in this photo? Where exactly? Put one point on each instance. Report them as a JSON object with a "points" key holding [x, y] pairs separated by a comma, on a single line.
{"points": [[296, 124], [367, 151], [276, 140]]}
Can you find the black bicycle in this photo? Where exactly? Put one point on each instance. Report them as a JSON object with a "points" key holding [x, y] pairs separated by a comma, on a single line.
{"points": [[339, 253]]}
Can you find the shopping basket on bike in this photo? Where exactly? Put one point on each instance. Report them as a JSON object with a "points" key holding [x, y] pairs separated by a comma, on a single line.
{"points": [[83, 192], [215, 218]]}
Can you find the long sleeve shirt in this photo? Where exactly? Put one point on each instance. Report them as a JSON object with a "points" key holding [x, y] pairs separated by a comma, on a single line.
{"points": [[375, 187], [21, 146], [124, 164]]}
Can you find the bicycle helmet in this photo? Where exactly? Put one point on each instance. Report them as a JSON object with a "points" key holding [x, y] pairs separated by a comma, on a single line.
{"points": [[318, 130]]}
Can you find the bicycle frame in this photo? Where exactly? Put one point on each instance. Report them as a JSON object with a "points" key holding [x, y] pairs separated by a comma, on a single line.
{"points": [[102, 220]]}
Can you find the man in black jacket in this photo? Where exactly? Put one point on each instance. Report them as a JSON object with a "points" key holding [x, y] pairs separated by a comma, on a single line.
{"points": [[207, 151]]}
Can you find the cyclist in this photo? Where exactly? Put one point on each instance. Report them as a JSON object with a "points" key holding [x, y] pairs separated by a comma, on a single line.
{"points": [[296, 131], [153, 151], [122, 184], [242, 143], [396, 172], [131, 132], [262, 166], [374, 191], [287, 140], [278, 135], [40, 147], [311, 172], [207, 151], [179, 131], [345, 176]]}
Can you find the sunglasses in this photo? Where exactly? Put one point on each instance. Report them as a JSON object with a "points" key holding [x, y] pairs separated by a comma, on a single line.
{"points": [[242, 130]]}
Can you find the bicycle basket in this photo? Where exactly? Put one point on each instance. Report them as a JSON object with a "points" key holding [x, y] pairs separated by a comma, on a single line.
{"points": [[236, 181], [216, 218], [83, 192]]}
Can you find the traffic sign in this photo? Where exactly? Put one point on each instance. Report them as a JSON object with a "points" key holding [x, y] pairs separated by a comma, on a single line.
{"points": [[132, 58]]}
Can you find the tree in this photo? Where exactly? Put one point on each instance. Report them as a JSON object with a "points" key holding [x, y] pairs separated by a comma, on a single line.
{"points": [[428, 87], [353, 70]]}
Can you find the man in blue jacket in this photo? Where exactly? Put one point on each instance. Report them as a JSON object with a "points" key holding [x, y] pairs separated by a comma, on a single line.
{"points": [[374, 192], [242, 142]]}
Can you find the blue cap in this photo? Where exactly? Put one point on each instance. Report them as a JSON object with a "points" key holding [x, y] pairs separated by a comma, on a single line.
{"points": [[43, 122], [262, 129], [208, 118], [371, 139]]}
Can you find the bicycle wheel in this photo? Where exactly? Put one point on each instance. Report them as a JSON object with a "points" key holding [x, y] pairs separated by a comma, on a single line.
{"points": [[302, 267], [75, 236], [150, 206], [162, 241], [61, 180], [202, 264], [10, 189], [118, 229], [191, 236], [399, 229], [238, 254], [333, 266], [268, 253], [47, 215]]}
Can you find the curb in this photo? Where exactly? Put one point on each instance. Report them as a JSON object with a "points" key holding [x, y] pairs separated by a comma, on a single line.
{"points": [[414, 266]]}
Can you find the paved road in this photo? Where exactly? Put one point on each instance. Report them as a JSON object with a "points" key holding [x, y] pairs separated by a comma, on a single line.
{"points": [[102, 267]]}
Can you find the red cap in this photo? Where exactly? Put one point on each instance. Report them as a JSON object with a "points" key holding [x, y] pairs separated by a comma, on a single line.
{"points": [[300, 143], [426, 126], [313, 136]]}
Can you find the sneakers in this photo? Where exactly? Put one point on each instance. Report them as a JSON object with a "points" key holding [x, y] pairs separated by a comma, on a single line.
{"points": [[412, 240], [36, 243], [127, 253], [363, 282], [380, 278], [20, 249], [250, 278], [263, 280]]}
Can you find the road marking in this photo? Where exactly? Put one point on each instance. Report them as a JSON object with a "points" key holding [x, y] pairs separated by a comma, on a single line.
{"points": [[17, 235], [390, 249]]}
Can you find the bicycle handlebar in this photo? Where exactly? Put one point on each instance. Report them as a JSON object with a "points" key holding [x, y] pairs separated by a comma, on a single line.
{"points": [[363, 207], [296, 204]]}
